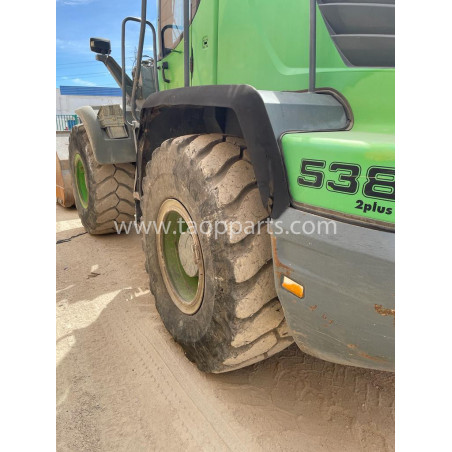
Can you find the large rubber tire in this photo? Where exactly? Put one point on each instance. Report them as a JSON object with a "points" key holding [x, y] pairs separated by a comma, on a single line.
{"points": [[109, 187], [240, 321]]}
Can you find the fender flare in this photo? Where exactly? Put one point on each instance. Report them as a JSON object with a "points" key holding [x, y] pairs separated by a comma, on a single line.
{"points": [[261, 117], [106, 150]]}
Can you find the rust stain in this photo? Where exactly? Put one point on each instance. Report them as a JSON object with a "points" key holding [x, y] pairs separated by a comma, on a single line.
{"points": [[384, 311], [366, 355], [325, 317], [313, 307], [287, 270]]}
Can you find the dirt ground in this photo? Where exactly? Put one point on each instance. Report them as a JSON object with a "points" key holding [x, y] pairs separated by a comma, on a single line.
{"points": [[123, 384]]}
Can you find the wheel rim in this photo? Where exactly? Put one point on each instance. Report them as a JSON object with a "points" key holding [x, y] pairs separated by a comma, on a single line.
{"points": [[80, 178], [180, 257]]}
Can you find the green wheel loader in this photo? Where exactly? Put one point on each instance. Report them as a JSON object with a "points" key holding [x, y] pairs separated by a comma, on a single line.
{"points": [[256, 149]]}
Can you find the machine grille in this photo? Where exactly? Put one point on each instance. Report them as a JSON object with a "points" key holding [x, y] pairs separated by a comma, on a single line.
{"points": [[363, 30]]}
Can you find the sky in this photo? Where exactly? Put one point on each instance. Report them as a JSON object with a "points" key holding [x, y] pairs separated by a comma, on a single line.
{"points": [[79, 20]]}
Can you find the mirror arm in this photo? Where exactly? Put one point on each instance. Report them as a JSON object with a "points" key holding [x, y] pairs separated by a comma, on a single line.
{"points": [[116, 72]]}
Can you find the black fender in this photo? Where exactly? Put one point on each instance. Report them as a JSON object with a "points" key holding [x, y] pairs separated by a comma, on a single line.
{"points": [[260, 117]]}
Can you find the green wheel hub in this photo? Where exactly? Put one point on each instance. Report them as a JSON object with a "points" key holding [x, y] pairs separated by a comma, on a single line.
{"points": [[80, 179], [180, 258]]}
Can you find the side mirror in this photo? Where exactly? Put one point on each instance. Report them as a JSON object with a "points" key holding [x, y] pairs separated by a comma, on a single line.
{"points": [[100, 45]]}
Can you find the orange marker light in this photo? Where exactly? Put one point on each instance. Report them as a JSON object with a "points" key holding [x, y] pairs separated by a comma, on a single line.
{"points": [[293, 287]]}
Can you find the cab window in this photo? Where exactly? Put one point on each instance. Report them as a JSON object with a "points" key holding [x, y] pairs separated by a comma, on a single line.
{"points": [[172, 23]]}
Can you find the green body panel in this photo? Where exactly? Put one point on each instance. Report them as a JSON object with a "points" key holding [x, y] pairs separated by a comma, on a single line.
{"points": [[259, 43], [361, 149], [175, 71], [204, 42], [266, 44]]}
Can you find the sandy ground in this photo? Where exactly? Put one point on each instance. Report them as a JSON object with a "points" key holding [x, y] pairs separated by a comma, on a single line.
{"points": [[123, 384]]}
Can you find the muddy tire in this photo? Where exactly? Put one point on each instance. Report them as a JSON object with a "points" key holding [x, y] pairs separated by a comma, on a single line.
{"points": [[103, 193], [240, 320]]}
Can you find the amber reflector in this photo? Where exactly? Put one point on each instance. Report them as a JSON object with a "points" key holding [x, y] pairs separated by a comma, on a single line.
{"points": [[293, 287]]}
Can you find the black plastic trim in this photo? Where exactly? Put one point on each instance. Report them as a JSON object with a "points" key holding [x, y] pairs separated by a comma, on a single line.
{"points": [[249, 108]]}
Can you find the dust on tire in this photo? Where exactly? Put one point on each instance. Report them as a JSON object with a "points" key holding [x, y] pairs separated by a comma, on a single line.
{"points": [[110, 187], [240, 321]]}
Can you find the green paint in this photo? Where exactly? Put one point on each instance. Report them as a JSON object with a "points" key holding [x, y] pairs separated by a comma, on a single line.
{"points": [[266, 45], [80, 178], [185, 286], [363, 150], [175, 71], [203, 38], [260, 43], [204, 42]]}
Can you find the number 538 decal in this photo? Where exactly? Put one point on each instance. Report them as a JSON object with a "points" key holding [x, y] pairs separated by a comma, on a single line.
{"points": [[379, 182]]}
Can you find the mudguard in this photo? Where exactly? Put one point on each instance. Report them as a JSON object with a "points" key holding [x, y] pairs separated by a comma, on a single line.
{"points": [[106, 150]]}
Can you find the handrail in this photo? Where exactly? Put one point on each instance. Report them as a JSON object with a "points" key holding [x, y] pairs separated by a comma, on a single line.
{"points": [[138, 66], [312, 44], [186, 43]]}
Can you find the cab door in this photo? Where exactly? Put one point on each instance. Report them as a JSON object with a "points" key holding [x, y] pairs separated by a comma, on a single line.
{"points": [[171, 45]]}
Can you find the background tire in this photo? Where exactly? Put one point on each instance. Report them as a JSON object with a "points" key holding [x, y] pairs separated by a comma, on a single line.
{"points": [[240, 320], [105, 193]]}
